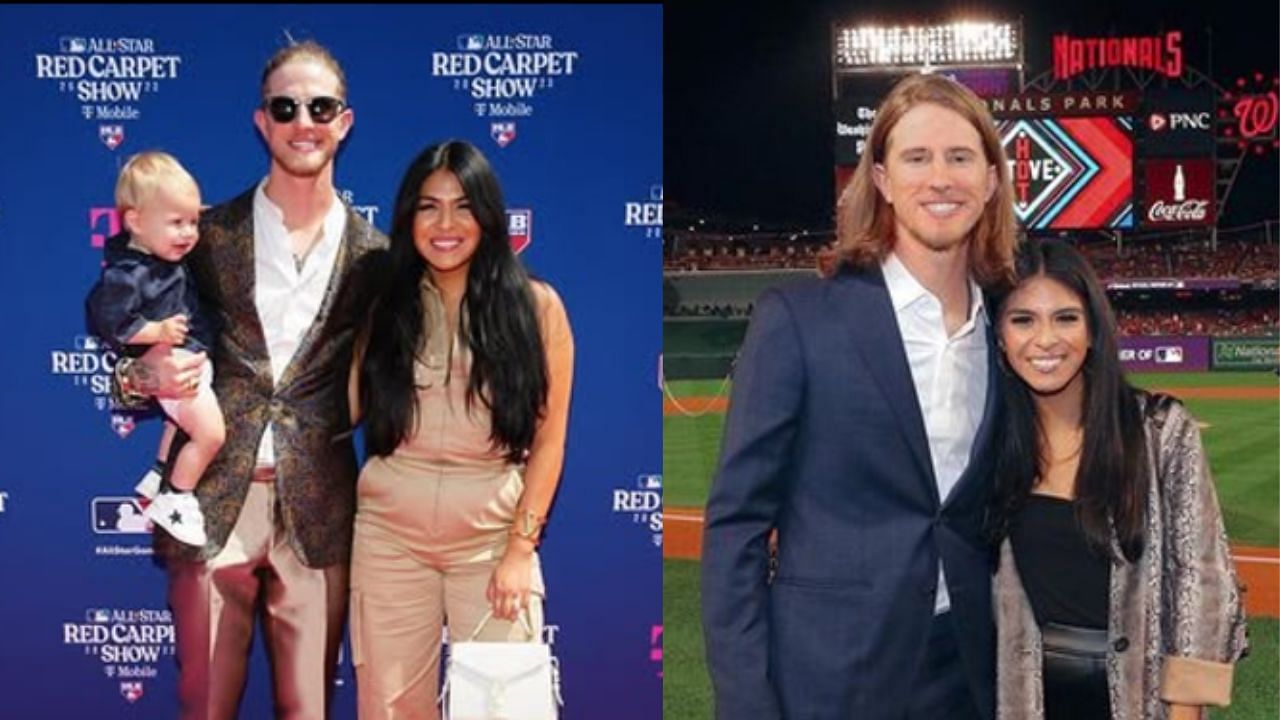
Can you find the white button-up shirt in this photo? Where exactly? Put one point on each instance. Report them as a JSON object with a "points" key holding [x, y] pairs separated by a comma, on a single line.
{"points": [[950, 375], [288, 299]]}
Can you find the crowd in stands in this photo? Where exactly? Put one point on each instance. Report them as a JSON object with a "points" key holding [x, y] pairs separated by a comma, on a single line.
{"points": [[748, 251], [722, 310], [1251, 255], [1253, 258], [1219, 322], [1187, 259]]}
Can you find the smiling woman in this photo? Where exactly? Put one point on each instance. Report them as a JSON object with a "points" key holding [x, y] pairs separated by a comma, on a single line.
{"points": [[1045, 338], [463, 374], [1106, 517]]}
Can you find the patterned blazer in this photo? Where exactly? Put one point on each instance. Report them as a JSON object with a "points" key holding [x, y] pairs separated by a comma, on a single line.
{"points": [[1176, 625], [315, 459]]}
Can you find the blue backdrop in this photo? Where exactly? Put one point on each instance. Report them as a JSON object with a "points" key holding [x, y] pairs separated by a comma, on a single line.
{"points": [[567, 104]]}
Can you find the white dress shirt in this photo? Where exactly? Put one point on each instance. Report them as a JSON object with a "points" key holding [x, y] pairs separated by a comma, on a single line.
{"points": [[288, 299], [950, 375]]}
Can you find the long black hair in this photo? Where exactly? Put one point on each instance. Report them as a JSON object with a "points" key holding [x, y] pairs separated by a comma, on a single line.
{"points": [[499, 322], [1112, 479]]}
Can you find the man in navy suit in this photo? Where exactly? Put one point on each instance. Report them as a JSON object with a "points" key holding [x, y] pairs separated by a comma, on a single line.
{"points": [[859, 429]]}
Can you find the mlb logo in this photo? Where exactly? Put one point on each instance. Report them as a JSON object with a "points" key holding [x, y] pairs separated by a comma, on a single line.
{"points": [[131, 690], [655, 193], [470, 43], [73, 44], [502, 133], [649, 482], [1157, 122], [97, 615], [520, 229], [111, 135], [118, 516], [122, 424], [86, 342]]}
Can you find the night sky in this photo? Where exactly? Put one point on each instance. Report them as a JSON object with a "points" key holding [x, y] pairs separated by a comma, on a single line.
{"points": [[748, 126]]}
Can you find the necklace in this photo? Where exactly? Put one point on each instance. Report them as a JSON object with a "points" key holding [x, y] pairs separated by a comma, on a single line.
{"points": [[300, 258], [1072, 455], [1078, 435]]}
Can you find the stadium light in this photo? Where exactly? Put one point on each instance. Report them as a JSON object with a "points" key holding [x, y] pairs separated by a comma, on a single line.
{"points": [[927, 47]]}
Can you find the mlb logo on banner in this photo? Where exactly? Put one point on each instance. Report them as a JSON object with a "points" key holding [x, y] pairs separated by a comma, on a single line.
{"points": [[520, 228], [503, 133], [119, 515], [122, 424], [131, 690], [73, 44], [111, 135]]}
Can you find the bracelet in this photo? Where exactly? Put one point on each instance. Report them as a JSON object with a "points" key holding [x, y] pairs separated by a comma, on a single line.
{"points": [[528, 525], [122, 388]]}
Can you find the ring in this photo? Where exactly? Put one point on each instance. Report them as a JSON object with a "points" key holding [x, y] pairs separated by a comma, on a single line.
{"points": [[193, 383]]}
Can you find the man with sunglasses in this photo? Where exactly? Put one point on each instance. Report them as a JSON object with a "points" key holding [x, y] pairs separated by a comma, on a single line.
{"points": [[282, 267]]}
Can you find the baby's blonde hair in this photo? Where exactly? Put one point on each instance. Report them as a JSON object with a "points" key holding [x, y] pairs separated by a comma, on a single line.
{"points": [[145, 173]]}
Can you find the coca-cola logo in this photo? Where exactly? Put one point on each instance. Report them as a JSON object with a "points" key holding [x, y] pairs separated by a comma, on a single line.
{"points": [[1188, 211]]}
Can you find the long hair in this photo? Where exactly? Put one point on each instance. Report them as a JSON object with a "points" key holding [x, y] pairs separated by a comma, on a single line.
{"points": [[499, 322], [1112, 480], [864, 221]]}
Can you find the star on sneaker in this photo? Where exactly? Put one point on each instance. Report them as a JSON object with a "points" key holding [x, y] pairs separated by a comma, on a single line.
{"points": [[179, 514]]}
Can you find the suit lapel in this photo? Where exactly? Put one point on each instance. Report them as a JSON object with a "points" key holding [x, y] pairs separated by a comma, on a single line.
{"points": [[861, 298], [233, 265]]}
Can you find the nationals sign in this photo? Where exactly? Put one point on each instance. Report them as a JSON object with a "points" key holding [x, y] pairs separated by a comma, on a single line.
{"points": [[1071, 173]]}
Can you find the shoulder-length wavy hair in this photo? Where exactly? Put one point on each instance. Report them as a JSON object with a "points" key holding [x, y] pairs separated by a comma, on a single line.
{"points": [[499, 322], [864, 221], [1113, 477]]}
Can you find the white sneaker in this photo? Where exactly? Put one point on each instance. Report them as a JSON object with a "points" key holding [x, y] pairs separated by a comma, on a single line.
{"points": [[179, 514], [149, 485]]}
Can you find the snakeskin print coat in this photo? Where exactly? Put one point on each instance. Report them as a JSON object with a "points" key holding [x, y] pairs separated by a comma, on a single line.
{"points": [[1176, 624]]}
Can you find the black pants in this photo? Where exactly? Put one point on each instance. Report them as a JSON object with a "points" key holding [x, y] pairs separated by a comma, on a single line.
{"points": [[1075, 673], [942, 689]]}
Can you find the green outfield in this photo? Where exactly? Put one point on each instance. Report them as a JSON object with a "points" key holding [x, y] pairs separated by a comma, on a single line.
{"points": [[1242, 438], [686, 690]]}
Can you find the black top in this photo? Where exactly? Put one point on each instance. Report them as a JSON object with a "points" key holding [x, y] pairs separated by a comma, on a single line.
{"points": [[1066, 581], [136, 287]]}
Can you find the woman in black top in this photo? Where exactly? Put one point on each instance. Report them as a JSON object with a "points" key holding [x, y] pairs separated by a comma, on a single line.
{"points": [[1115, 595]]}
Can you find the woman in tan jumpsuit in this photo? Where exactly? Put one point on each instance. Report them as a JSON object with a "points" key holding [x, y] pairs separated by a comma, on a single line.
{"points": [[463, 376]]}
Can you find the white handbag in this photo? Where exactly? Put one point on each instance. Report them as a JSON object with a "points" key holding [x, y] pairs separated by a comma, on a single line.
{"points": [[501, 680]]}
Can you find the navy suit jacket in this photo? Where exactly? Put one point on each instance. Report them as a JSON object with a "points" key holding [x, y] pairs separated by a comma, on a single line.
{"points": [[825, 442]]}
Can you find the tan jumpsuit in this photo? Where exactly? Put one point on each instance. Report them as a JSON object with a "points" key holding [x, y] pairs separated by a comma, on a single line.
{"points": [[432, 522]]}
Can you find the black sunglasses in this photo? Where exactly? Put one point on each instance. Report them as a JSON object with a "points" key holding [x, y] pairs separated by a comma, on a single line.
{"points": [[284, 109]]}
